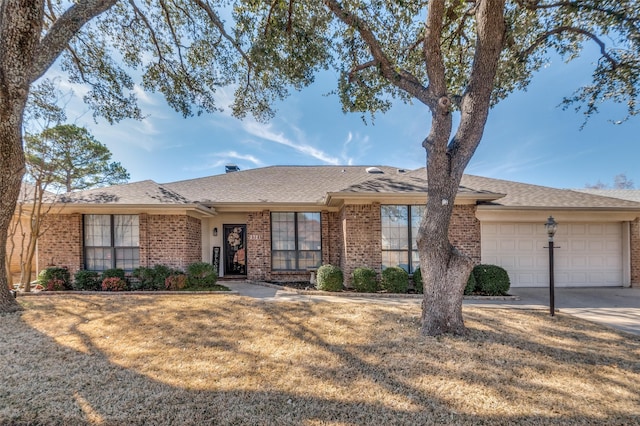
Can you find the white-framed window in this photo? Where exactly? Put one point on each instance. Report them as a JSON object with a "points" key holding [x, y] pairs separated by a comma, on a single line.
{"points": [[111, 241], [400, 225]]}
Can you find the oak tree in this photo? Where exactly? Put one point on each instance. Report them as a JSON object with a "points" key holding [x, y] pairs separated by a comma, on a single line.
{"points": [[180, 48], [458, 58]]}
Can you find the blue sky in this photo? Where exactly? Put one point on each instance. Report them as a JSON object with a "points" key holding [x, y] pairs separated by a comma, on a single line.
{"points": [[528, 138]]}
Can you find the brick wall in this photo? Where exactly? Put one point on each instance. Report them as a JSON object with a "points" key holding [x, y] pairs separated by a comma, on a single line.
{"points": [[61, 244], [362, 238], [635, 252], [259, 246], [170, 240], [464, 231], [17, 243]]}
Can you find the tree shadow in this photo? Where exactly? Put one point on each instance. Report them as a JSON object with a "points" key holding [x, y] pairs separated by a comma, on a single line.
{"points": [[76, 371]]}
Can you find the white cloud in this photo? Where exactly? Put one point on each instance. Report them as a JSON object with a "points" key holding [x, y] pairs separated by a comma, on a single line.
{"points": [[264, 131]]}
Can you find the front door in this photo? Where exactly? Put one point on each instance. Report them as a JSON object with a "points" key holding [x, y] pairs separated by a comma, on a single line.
{"points": [[235, 253]]}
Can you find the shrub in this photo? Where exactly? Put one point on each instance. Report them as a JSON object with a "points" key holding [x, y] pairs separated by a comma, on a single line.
{"points": [[201, 275], [471, 284], [175, 282], [86, 280], [395, 280], [55, 273], [491, 280], [417, 281], [329, 278], [55, 284], [144, 278], [113, 273], [114, 284], [364, 280]]}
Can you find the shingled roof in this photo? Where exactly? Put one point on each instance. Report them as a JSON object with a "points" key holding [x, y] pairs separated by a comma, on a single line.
{"points": [[313, 184]]}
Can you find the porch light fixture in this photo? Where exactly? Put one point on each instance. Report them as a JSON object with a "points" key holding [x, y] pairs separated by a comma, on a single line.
{"points": [[215, 232], [551, 227]]}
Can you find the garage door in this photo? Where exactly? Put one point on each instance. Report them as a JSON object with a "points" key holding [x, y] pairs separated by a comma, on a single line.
{"points": [[586, 255]]}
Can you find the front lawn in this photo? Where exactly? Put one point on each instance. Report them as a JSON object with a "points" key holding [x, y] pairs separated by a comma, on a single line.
{"points": [[224, 359]]}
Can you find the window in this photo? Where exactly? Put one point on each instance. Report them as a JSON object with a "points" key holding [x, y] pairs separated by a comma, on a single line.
{"points": [[399, 231], [111, 241], [296, 241]]}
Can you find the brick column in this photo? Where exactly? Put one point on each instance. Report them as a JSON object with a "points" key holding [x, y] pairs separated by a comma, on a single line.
{"points": [[634, 231]]}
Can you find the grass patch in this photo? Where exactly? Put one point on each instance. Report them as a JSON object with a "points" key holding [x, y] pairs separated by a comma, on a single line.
{"points": [[163, 359], [214, 287]]}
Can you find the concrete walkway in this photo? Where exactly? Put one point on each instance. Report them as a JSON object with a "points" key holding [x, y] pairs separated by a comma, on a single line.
{"points": [[615, 307]]}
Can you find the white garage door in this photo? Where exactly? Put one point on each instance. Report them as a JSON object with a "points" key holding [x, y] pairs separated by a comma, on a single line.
{"points": [[586, 254]]}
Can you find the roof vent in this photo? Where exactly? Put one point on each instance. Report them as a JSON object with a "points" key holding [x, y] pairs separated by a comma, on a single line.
{"points": [[228, 168], [374, 170]]}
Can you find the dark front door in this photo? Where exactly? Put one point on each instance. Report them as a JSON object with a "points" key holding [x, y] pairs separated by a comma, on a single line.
{"points": [[235, 253]]}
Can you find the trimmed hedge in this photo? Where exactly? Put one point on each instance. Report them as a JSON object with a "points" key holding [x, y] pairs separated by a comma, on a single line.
{"points": [[471, 284], [329, 278], [491, 280], [395, 280], [417, 281], [55, 278], [87, 280], [201, 275], [364, 280]]}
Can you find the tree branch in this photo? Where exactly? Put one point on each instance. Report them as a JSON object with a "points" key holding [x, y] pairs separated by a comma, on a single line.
{"points": [[399, 78], [543, 37], [63, 30]]}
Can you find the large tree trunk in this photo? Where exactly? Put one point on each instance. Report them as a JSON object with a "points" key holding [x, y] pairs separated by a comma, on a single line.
{"points": [[444, 269], [20, 27]]}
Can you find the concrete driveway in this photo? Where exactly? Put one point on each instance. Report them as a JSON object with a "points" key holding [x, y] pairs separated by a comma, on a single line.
{"points": [[613, 306]]}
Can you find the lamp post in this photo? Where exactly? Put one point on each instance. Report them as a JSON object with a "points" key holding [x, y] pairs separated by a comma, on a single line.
{"points": [[552, 227]]}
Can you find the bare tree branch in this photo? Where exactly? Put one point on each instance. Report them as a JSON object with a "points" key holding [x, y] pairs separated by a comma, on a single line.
{"points": [[398, 77], [543, 37]]}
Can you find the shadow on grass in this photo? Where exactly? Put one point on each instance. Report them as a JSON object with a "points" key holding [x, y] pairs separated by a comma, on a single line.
{"points": [[229, 360]]}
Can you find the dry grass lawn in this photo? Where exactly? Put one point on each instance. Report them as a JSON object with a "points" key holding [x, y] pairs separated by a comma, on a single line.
{"points": [[224, 359]]}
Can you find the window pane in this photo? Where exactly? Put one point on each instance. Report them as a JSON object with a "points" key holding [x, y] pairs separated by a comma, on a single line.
{"points": [[416, 217], [283, 231], [127, 258], [309, 235], [97, 230], [395, 258], [309, 259], [283, 260], [98, 259], [415, 261], [126, 230], [395, 229]]}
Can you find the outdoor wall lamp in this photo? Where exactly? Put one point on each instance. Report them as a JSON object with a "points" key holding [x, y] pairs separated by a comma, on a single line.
{"points": [[215, 232], [552, 227]]}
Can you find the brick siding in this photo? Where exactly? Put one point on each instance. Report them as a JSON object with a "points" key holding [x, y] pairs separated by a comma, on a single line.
{"points": [[61, 244], [362, 238], [259, 246], [170, 240], [464, 231]]}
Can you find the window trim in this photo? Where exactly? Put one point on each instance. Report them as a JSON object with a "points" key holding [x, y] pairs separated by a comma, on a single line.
{"points": [[297, 249]]}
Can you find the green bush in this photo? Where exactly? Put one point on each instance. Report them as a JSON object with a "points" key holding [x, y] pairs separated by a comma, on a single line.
{"points": [[471, 284], [417, 281], [60, 275], [201, 275], [113, 273], [329, 278], [491, 280], [395, 280], [86, 280], [364, 280]]}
